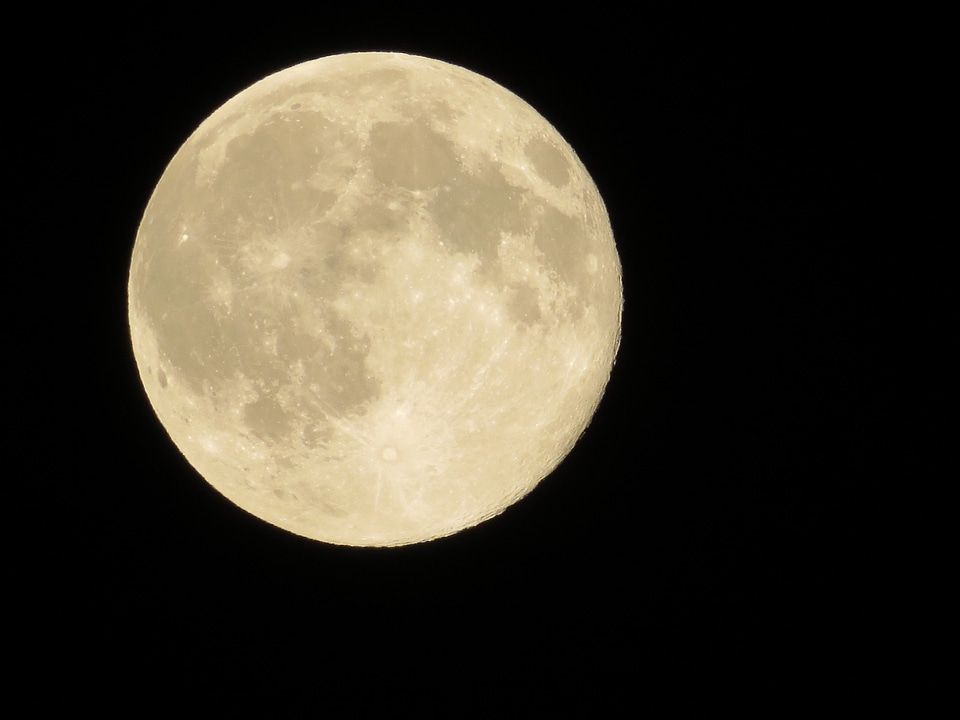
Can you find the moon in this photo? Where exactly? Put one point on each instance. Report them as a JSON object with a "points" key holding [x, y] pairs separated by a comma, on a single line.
{"points": [[375, 299]]}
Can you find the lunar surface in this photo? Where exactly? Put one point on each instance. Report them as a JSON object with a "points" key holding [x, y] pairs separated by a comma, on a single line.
{"points": [[375, 299]]}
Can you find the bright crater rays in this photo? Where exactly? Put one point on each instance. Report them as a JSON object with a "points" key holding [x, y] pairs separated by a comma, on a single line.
{"points": [[375, 299]]}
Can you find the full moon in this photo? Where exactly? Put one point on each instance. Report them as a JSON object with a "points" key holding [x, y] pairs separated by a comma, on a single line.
{"points": [[375, 299]]}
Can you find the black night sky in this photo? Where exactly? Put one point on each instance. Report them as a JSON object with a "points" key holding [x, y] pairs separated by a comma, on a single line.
{"points": [[717, 515]]}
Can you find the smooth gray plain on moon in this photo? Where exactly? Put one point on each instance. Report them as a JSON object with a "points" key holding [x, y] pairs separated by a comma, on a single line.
{"points": [[375, 299]]}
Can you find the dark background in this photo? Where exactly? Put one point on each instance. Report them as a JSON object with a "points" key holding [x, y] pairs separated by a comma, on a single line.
{"points": [[717, 518]]}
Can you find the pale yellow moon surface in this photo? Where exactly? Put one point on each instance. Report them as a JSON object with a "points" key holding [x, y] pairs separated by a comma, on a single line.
{"points": [[374, 299]]}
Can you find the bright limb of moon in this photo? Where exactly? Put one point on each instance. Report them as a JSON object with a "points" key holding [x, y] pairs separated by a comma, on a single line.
{"points": [[374, 299]]}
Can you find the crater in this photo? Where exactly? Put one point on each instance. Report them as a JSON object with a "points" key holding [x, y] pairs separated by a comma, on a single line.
{"points": [[548, 162], [411, 155], [472, 211], [266, 418], [293, 155], [563, 242], [379, 79], [314, 435], [523, 304]]}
